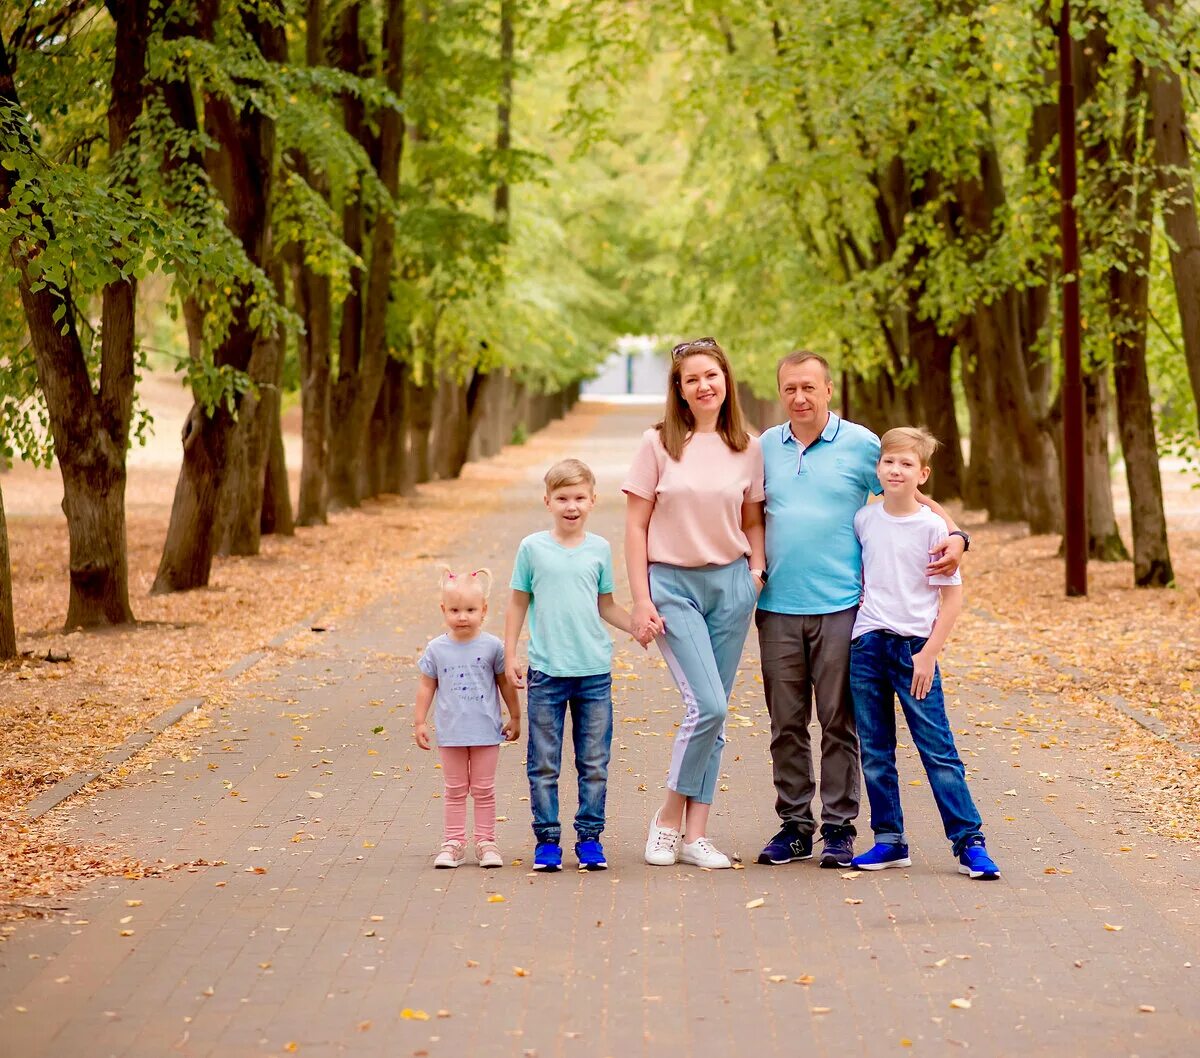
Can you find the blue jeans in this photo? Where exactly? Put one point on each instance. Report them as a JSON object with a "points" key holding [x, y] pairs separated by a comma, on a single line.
{"points": [[589, 700], [881, 669]]}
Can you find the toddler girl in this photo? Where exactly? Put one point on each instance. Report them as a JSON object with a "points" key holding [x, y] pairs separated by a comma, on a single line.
{"points": [[464, 667]]}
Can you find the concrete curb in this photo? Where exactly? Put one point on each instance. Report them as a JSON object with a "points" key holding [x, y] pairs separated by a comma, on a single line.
{"points": [[156, 725], [1152, 724]]}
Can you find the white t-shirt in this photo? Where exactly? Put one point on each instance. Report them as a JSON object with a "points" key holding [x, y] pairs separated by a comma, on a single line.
{"points": [[897, 595]]}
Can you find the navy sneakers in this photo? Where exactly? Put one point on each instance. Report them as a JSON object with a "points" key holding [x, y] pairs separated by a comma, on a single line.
{"points": [[838, 847], [786, 846]]}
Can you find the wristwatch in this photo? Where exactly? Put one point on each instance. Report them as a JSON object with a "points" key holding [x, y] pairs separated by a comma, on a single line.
{"points": [[761, 574], [966, 539]]}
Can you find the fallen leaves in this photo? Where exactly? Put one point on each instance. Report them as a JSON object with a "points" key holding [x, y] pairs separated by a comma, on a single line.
{"points": [[408, 1014], [960, 1004], [495, 898], [752, 904], [1113, 929]]}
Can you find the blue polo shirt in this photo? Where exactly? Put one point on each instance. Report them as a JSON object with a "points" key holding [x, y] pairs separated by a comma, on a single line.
{"points": [[814, 560]]}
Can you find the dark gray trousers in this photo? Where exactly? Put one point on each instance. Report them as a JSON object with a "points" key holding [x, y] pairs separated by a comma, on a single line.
{"points": [[807, 655]]}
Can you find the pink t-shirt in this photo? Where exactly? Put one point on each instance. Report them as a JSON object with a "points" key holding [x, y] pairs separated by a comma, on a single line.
{"points": [[697, 517]]}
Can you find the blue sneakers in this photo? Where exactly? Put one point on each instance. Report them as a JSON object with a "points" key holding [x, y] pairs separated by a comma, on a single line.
{"points": [[881, 856], [788, 845], [975, 862], [591, 855], [547, 857]]}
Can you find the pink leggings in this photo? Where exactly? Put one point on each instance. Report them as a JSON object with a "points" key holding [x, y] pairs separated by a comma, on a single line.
{"points": [[470, 768]]}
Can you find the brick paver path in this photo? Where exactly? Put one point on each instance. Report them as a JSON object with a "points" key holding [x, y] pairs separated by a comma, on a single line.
{"points": [[327, 932]]}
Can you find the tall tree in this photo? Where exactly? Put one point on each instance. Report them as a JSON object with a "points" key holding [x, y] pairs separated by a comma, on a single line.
{"points": [[239, 164], [1172, 155], [8, 630], [90, 428], [360, 376]]}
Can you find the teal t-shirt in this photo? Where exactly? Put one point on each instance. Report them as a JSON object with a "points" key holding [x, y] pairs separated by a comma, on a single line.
{"points": [[566, 635]]}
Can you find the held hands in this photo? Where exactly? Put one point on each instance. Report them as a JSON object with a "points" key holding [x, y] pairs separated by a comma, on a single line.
{"points": [[945, 557], [421, 734], [514, 672], [512, 729], [646, 622], [924, 666]]}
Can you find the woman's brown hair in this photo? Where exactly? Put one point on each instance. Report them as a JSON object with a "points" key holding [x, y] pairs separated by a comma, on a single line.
{"points": [[678, 423]]}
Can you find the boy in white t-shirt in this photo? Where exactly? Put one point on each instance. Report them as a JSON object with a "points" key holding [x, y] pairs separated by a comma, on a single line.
{"points": [[903, 622]]}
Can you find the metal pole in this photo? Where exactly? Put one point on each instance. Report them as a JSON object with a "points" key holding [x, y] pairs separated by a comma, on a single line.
{"points": [[1074, 499]]}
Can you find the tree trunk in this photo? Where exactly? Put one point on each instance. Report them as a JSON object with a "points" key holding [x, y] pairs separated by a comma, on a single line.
{"points": [[357, 390], [90, 430], [277, 499], [933, 354], [240, 163], [395, 478], [1172, 158], [1104, 539], [250, 448], [313, 301], [1129, 290], [999, 336], [314, 304], [8, 627], [420, 403]]}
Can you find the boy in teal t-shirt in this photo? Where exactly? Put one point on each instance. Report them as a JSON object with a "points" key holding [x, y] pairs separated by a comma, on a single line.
{"points": [[563, 578]]}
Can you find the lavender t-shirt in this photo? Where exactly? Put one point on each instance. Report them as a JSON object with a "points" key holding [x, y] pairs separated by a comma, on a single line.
{"points": [[466, 709]]}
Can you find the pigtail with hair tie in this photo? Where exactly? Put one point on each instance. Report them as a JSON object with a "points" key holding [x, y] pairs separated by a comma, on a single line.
{"points": [[481, 577], [485, 575]]}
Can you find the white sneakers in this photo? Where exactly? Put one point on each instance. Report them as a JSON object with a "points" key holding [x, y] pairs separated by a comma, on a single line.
{"points": [[453, 853], [665, 846], [703, 853], [662, 844], [487, 854]]}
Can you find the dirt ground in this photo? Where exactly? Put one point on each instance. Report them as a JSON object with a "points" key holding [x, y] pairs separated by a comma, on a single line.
{"points": [[1061, 657]]}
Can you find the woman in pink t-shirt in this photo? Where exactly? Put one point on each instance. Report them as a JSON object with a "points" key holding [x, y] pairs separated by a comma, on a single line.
{"points": [[694, 549]]}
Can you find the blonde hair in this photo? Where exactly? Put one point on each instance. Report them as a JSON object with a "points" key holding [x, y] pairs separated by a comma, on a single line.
{"points": [[567, 472], [480, 578], [678, 423], [911, 438]]}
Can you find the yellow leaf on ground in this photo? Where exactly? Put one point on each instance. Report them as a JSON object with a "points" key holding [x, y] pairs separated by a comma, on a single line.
{"points": [[408, 1014], [960, 1004], [752, 904], [1113, 929], [495, 898], [520, 971], [1146, 1008]]}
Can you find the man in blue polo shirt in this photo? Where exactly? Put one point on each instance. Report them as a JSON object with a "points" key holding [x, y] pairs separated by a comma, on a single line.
{"points": [[820, 469]]}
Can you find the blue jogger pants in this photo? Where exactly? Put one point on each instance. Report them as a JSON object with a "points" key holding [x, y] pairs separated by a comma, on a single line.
{"points": [[706, 611]]}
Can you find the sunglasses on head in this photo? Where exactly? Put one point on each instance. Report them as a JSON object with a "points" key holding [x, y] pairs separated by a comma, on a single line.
{"points": [[696, 344]]}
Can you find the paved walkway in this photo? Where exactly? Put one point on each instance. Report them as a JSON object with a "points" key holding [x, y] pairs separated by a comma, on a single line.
{"points": [[323, 930]]}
